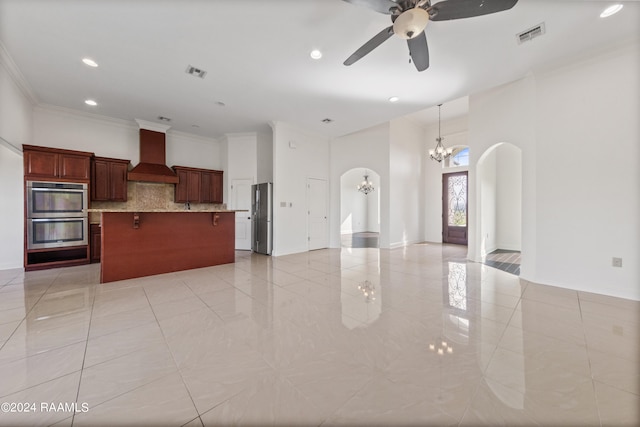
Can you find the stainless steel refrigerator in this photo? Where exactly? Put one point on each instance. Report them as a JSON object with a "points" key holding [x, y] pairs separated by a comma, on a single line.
{"points": [[261, 218]]}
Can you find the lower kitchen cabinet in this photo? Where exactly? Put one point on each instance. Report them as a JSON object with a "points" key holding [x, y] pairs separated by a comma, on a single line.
{"points": [[95, 240]]}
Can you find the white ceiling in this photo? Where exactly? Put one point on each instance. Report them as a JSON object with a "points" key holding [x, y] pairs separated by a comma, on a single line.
{"points": [[256, 54]]}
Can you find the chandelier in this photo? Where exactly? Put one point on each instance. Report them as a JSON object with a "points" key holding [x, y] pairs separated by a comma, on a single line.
{"points": [[366, 186], [439, 153]]}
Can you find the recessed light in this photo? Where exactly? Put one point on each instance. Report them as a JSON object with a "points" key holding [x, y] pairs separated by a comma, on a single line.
{"points": [[90, 62], [315, 54], [394, 99], [611, 10], [91, 102]]}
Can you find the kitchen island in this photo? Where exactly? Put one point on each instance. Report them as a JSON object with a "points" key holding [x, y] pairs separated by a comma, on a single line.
{"points": [[147, 242]]}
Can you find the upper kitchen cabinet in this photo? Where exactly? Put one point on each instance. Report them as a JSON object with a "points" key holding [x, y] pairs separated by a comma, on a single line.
{"points": [[109, 179], [198, 185], [56, 164], [212, 187]]}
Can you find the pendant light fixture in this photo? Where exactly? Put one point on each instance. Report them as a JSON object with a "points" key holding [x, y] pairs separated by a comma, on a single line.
{"points": [[439, 153], [365, 186]]}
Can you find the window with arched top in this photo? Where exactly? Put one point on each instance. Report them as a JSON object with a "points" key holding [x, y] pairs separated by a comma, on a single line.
{"points": [[459, 157]]}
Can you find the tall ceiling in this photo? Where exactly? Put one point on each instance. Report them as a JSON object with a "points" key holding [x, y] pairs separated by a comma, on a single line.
{"points": [[256, 55]]}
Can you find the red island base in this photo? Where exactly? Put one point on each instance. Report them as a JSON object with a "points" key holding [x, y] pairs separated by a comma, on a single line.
{"points": [[137, 244]]}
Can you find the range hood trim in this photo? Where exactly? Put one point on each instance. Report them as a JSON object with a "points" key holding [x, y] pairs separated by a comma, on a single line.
{"points": [[156, 127]]}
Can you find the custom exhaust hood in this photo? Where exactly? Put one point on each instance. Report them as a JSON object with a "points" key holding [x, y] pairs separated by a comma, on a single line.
{"points": [[152, 166]]}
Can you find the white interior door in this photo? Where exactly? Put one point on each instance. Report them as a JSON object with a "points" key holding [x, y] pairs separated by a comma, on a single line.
{"points": [[241, 200], [317, 213]]}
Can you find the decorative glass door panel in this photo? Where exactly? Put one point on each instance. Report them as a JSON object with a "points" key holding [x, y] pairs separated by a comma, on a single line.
{"points": [[457, 193], [454, 208]]}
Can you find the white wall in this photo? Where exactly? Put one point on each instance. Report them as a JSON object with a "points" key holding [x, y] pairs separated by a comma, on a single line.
{"points": [[499, 198], [358, 211], [12, 216], [15, 110], [509, 197], [242, 157], [74, 130], [487, 200], [505, 114], [577, 128], [588, 177], [373, 205], [15, 129], [297, 155], [265, 157], [406, 194], [369, 149]]}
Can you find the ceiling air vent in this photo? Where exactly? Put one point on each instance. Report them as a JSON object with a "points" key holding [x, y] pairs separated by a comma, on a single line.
{"points": [[531, 33], [196, 71]]}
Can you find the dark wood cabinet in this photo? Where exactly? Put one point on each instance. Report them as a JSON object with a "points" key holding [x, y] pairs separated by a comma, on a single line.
{"points": [[181, 193], [198, 185], [95, 240], [56, 164], [109, 179], [212, 187], [193, 186]]}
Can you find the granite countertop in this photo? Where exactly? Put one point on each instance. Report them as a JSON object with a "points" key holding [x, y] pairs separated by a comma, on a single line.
{"points": [[163, 210]]}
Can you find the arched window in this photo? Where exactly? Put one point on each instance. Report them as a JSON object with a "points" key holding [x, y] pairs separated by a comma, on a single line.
{"points": [[459, 157]]}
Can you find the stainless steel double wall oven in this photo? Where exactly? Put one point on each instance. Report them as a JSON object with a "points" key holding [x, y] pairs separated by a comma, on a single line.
{"points": [[56, 214]]}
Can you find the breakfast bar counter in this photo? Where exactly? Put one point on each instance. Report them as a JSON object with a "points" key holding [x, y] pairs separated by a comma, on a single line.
{"points": [[147, 242]]}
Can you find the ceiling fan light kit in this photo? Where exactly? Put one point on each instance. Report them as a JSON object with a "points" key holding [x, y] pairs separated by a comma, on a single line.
{"points": [[411, 23], [410, 18]]}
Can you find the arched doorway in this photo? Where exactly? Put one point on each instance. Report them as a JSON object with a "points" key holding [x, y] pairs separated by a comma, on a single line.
{"points": [[359, 212], [499, 185]]}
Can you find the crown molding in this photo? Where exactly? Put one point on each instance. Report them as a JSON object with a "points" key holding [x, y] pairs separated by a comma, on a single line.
{"points": [[7, 62], [193, 137], [10, 146], [64, 111]]}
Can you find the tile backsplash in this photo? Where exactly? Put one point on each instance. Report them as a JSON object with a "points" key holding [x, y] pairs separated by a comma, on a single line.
{"points": [[149, 195]]}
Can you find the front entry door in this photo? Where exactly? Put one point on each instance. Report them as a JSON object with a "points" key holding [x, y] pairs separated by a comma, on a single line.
{"points": [[454, 208], [241, 200]]}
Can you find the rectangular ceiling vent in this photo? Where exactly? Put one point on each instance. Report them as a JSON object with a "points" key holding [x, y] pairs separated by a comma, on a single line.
{"points": [[531, 33], [196, 71]]}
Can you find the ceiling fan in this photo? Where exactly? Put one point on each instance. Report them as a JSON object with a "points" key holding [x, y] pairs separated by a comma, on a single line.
{"points": [[410, 18]]}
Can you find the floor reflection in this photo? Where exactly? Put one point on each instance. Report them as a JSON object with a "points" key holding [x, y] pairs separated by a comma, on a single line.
{"points": [[357, 336]]}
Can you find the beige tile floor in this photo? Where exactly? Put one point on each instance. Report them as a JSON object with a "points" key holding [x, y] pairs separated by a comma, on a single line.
{"points": [[295, 340]]}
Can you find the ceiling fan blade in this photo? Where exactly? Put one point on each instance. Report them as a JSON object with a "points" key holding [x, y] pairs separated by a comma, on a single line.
{"points": [[376, 41], [419, 51], [458, 9], [381, 6]]}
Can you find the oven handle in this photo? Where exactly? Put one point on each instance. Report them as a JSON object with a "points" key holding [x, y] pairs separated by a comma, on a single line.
{"points": [[57, 219], [57, 190]]}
